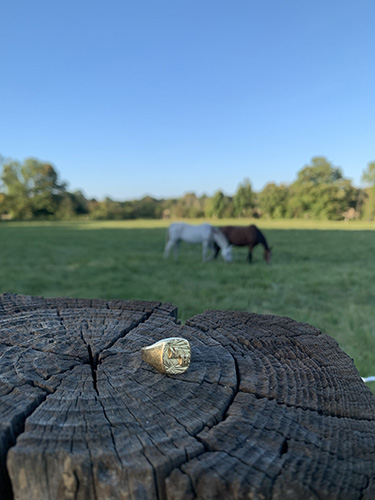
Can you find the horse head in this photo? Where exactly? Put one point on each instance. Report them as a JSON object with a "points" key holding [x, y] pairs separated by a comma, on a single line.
{"points": [[227, 253], [268, 255], [221, 240]]}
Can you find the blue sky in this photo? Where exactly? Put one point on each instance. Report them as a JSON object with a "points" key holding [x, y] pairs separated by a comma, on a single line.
{"points": [[163, 97]]}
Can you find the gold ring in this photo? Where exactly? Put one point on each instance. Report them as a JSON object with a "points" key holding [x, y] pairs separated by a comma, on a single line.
{"points": [[171, 356]]}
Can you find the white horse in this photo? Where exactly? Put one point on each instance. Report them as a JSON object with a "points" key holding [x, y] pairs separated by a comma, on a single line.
{"points": [[205, 234]]}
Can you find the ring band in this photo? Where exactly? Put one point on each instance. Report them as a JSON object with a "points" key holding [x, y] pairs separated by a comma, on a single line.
{"points": [[171, 356]]}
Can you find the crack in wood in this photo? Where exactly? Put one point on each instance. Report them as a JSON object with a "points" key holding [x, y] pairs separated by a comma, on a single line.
{"points": [[363, 490], [94, 366], [17, 427], [283, 448]]}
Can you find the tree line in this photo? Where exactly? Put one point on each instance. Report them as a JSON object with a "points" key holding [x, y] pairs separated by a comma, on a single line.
{"points": [[32, 190]]}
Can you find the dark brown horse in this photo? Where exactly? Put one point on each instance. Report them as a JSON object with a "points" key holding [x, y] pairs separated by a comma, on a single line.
{"points": [[245, 236]]}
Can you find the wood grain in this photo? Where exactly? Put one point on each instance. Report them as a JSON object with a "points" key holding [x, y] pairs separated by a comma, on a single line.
{"points": [[269, 408]]}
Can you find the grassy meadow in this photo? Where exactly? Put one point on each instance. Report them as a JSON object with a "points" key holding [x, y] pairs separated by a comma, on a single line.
{"points": [[322, 273]]}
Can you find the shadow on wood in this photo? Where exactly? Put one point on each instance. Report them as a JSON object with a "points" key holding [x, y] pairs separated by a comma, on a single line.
{"points": [[269, 408]]}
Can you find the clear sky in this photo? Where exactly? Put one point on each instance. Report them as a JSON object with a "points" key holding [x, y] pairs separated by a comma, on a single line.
{"points": [[163, 97]]}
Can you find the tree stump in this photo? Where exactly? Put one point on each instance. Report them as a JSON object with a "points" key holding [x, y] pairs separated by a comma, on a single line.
{"points": [[268, 409]]}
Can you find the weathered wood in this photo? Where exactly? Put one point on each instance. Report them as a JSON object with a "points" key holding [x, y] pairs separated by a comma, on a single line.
{"points": [[269, 408]]}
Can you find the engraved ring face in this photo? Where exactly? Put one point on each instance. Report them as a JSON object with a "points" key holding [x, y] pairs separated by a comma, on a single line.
{"points": [[171, 356], [176, 355]]}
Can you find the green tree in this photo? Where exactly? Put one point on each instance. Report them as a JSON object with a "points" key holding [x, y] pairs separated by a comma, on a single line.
{"points": [[273, 201], [31, 189], [321, 192], [189, 206], [368, 178], [146, 208], [244, 200], [319, 172], [43, 186], [17, 202], [107, 209], [72, 205], [3, 210], [219, 206]]}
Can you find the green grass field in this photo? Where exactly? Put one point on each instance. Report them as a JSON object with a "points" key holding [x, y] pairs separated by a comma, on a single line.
{"points": [[321, 273]]}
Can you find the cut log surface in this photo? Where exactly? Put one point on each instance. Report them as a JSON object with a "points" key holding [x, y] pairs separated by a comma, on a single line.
{"points": [[269, 408]]}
